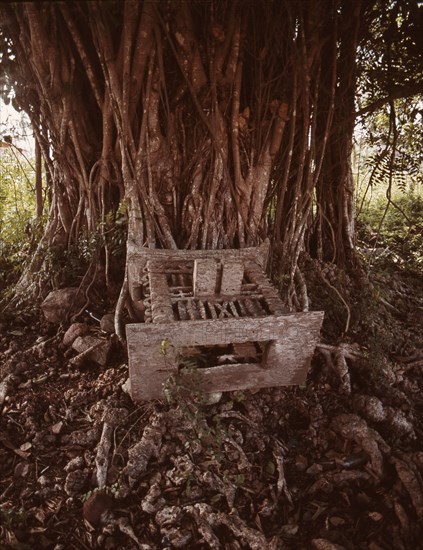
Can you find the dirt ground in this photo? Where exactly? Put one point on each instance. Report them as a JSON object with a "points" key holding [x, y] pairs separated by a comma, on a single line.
{"points": [[336, 464]]}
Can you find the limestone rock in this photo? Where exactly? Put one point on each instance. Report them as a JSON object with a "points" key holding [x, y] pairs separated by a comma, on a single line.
{"points": [[75, 330], [59, 304], [100, 347], [107, 323], [76, 481]]}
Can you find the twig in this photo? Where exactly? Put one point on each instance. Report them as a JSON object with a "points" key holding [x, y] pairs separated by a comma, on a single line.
{"points": [[281, 483], [79, 359], [102, 457]]}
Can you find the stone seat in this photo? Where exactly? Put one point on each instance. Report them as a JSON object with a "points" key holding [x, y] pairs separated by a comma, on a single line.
{"points": [[217, 310]]}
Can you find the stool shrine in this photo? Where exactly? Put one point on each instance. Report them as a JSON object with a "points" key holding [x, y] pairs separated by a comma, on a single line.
{"points": [[218, 310]]}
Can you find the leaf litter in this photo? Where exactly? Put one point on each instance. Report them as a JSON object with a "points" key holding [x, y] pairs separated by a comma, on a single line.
{"points": [[331, 465]]}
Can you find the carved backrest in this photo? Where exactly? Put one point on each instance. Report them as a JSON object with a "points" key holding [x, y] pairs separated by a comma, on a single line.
{"points": [[207, 262]]}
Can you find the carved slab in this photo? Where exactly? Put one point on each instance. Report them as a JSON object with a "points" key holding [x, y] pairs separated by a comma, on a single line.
{"points": [[153, 349], [137, 258], [205, 277], [232, 275]]}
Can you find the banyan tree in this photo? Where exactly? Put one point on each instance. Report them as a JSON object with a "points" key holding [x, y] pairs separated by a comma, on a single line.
{"points": [[211, 123]]}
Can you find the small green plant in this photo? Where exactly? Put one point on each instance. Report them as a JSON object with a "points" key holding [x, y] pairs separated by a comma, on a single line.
{"points": [[183, 390], [239, 396], [164, 347], [12, 517]]}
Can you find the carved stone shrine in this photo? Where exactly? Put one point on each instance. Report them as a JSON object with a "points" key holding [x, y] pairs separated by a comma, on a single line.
{"points": [[217, 310]]}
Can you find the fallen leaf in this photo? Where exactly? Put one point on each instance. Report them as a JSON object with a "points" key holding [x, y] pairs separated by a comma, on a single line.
{"points": [[270, 467], [8, 444], [22, 454], [375, 516], [21, 469], [336, 521], [289, 529], [57, 428]]}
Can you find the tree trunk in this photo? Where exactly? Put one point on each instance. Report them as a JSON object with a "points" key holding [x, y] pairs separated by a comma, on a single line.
{"points": [[38, 181], [334, 225], [215, 123]]}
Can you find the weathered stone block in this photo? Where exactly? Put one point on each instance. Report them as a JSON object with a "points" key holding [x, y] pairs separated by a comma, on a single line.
{"points": [[100, 347], [75, 330], [59, 304]]}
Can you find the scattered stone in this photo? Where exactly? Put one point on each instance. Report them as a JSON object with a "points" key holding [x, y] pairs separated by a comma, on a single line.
{"points": [[75, 330], [301, 463], [126, 386], [4, 388], [213, 398], [59, 304], [57, 428], [74, 464], [370, 407], [43, 480], [375, 516], [314, 469], [97, 348], [75, 482], [399, 423], [107, 323]]}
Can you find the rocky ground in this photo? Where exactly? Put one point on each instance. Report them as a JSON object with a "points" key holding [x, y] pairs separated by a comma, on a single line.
{"points": [[336, 464]]}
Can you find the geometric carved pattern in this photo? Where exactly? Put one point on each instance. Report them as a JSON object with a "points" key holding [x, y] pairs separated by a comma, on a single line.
{"points": [[219, 308]]}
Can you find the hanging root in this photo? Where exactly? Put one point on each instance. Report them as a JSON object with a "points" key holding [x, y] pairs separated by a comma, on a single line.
{"points": [[347, 307], [303, 289], [119, 328], [87, 290]]}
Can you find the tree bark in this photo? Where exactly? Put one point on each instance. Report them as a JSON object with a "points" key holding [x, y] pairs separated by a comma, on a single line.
{"points": [[215, 123], [38, 181]]}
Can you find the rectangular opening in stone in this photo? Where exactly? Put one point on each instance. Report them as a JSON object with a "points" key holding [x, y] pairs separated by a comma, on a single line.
{"points": [[179, 280], [202, 357]]}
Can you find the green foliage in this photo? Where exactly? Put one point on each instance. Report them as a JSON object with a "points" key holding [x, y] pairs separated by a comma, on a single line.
{"points": [[386, 171], [183, 391], [19, 228], [397, 230], [12, 518], [114, 230], [68, 266], [390, 140], [394, 142], [389, 161], [391, 54]]}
